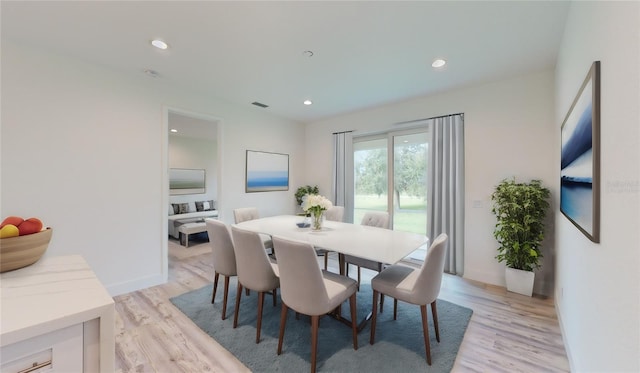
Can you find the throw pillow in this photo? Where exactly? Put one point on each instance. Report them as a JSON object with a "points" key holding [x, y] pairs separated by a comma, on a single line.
{"points": [[171, 210], [176, 208], [183, 208], [205, 205], [192, 207]]}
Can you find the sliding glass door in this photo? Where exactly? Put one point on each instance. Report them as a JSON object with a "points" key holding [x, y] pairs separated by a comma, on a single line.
{"points": [[390, 174], [410, 182], [370, 169]]}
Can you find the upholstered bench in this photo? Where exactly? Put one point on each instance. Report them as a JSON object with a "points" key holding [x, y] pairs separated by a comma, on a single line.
{"points": [[176, 220], [190, 228]]}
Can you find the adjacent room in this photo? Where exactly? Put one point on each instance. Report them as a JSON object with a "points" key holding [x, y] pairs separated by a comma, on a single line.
{"points": [[326, 186]]}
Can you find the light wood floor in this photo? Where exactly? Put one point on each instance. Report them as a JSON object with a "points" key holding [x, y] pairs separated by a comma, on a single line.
{"points": [[507, 332]]}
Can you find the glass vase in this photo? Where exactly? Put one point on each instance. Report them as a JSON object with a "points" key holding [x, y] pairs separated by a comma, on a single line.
{"points": [[317, 218]]}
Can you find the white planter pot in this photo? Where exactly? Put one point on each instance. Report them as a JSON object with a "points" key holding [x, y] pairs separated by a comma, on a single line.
{"points": [[519, 281]]}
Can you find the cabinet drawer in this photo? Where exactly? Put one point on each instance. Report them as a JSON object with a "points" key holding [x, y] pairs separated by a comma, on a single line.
{"points": [[58, 351]]}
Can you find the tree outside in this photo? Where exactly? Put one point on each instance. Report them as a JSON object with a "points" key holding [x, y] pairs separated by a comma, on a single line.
{"points": [[371, 186]]}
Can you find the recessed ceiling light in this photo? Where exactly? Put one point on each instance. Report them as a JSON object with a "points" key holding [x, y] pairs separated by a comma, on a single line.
{"points": [[174, 130], [159, 44], [438, 63], [307, 102]]}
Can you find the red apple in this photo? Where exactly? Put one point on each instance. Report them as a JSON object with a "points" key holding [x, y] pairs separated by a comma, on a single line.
{"points": [[13, 220], [30, 226]]}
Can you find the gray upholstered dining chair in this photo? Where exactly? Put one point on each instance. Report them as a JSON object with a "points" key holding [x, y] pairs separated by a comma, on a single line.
{"points": [[251, 213], [335, 213], [419, 286], [307, 289], [245, 213], [224, 258], [378, 219], [255, 271]]}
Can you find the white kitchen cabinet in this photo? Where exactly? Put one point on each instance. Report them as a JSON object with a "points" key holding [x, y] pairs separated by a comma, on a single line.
{"points": [[55, 316]]}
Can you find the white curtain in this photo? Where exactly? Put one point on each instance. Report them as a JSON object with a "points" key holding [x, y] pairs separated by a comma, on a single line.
{"points": [[445, 203], [343, 173]]}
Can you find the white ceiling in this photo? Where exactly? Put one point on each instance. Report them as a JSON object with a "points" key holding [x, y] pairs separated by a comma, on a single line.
{"points": [[365, 53]]}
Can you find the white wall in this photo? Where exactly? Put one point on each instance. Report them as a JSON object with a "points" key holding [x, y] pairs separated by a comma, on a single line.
{"points": [[195, 153], [598, 285], [509, 131], [84, 149]]}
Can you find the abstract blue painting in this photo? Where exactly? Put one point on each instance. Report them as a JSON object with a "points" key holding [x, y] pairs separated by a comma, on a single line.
{"points": [[267, 172], [579, 161]]}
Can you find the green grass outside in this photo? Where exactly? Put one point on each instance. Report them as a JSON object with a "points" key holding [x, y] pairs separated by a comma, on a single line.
{"points": [[411, 218]]}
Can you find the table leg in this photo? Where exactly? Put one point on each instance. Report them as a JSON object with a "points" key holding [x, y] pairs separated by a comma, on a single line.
{"points": [[337, 314]]}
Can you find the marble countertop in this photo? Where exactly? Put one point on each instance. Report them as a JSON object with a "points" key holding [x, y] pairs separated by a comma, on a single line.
{"points": [[49, 295]]}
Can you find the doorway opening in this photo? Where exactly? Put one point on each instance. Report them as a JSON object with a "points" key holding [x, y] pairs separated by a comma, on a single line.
{"points": [[193, 150]]}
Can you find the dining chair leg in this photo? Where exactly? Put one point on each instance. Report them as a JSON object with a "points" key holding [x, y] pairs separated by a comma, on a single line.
{"points": [[215, 286], [381, 295], [425, 330], [225, 296], [326, 260], [358, 278], [260, 304], [395, 309], [237, 309], [434, 313], [315, 320], [283, 321], [354, 322], [374, 317], [274, 293]]}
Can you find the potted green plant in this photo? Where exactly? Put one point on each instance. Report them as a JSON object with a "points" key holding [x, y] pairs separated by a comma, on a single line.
{"points": [[304, 190], [520, 210]]}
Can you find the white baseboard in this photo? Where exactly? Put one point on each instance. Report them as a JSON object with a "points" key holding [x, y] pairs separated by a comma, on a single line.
{"points": [[541, 287], [567, 348], [491, 278], [137, 284]]}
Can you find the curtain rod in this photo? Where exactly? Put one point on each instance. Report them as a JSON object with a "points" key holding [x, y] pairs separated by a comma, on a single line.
{"points": [[426, 119], [336, 133]]}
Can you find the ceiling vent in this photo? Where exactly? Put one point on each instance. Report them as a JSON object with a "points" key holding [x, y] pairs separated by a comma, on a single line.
{"points": [[259, 104]]}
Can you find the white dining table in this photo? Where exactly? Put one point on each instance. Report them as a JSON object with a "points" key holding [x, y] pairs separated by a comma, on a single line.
{"points": [[378, 244]]}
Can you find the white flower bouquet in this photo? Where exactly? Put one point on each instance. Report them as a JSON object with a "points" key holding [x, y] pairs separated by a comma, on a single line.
{"points": [[315, 205]]}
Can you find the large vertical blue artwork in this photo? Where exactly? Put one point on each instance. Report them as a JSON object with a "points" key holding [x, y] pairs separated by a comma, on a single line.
{"points": [[579, 164]]}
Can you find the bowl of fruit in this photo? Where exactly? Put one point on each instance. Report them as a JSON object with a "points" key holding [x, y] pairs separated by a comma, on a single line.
{"points": [[22, 242]]}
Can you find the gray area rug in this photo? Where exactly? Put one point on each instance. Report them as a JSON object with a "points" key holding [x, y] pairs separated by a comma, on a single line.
{"points": [[399, 345]]}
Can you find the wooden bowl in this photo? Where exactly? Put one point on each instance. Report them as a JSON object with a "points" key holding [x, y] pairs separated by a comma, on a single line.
{"points": [[22, 251]]}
